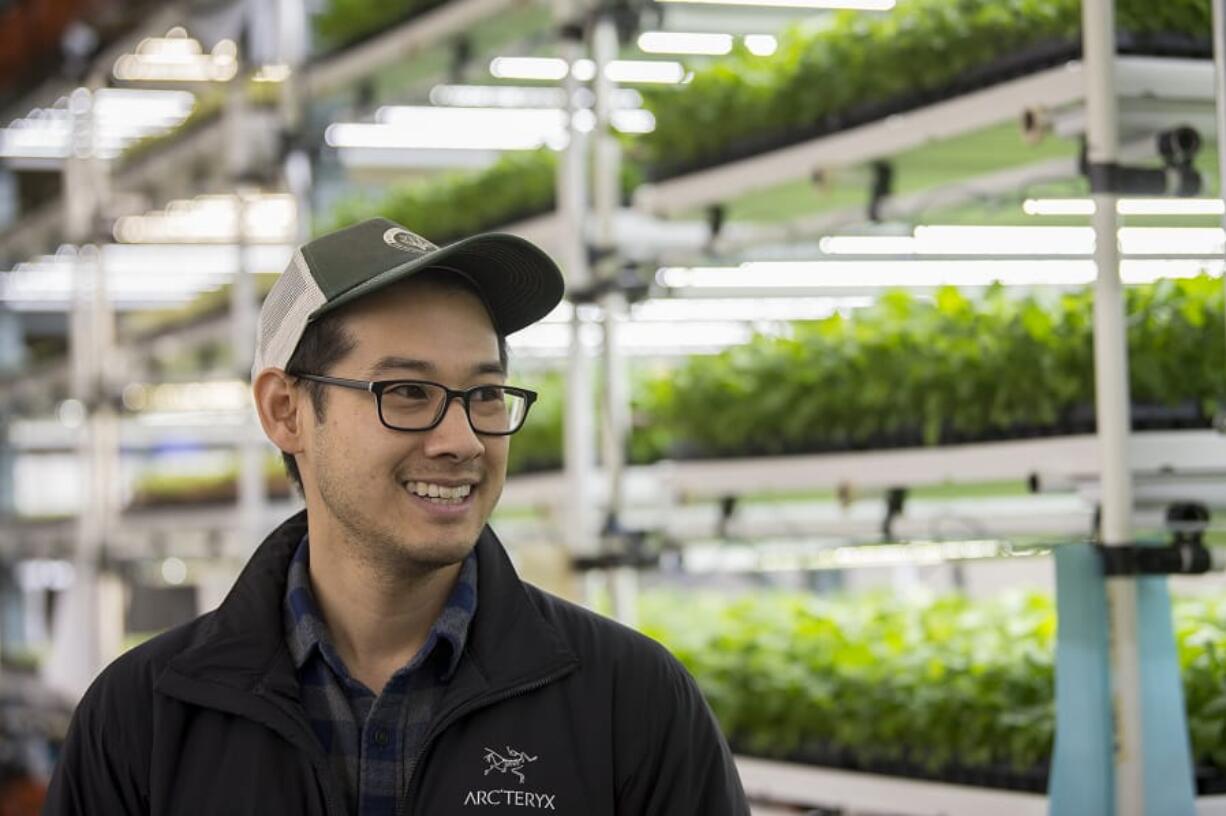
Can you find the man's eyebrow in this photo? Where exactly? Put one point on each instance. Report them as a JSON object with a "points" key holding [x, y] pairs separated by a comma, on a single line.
{"points": [[394, 363]]}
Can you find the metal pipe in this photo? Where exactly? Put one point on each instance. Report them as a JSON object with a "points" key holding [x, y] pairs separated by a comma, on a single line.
{"points": [[1219, 93], [1112, 406], [616, 402], [579, 440]]}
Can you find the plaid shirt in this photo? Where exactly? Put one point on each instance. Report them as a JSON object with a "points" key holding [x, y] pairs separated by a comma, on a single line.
{"points": [[372, 741]]}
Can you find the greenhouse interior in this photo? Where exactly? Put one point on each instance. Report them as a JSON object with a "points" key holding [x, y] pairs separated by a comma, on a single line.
{"points": [[887, 391]]}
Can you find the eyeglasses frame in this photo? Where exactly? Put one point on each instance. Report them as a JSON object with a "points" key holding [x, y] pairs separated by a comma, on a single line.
{"points": [[377, 387]]}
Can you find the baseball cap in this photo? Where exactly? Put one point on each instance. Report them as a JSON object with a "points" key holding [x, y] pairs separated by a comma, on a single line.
{"points": [[519, 283]]}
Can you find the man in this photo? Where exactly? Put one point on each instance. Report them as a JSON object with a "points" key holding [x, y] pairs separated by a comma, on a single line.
{"points": [[378, 654]]}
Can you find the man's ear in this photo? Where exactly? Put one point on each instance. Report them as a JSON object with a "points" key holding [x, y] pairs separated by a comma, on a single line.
{"points": [[280, 406]]}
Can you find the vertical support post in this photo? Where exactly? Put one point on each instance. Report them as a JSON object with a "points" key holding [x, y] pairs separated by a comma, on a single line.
{"points": [[252, 489], [616, 398], [76, 653], [579, 446], [1219, 91], [1113, 406], [296, 164], [12, 360]]}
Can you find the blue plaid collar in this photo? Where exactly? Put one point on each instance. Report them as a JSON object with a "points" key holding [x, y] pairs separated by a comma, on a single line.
{"points": [[306, 630]]}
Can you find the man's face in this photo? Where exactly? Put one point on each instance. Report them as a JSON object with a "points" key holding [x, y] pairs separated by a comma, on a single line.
{"points": [[362, 479]]}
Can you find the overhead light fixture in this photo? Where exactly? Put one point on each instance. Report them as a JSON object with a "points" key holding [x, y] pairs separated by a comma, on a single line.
{"points": [[535, 68], [633, 121], [117, 118], [497, 96], [903, 274], [656, 72], [943, 239], [1172, 240], [214, 219], [1029, 241], [177, 58], [855, 5], [424, 127], [518, 96], [488, 129], [552, 69], [583, 70], [635, 338], [867, 245], [215, 395], [1058, 206], [791, 555], [1171, 206], [1126, 206], [513, 96], [676, 42], [136, 276], [272, 73], [748, 310], [761, 45]]}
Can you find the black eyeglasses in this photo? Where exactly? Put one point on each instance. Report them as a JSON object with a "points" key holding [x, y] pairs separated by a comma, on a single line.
{"points": [[419, 405]]}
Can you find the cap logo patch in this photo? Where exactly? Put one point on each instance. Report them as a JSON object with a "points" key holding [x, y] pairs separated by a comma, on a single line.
{"points": [[407, 241]]}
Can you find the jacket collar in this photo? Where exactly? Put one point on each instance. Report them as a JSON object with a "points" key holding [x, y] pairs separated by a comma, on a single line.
{"points": [[241, 646]]}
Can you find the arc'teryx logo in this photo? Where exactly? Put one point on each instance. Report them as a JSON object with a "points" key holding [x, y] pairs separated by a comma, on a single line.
{"points": [[513, 762]]}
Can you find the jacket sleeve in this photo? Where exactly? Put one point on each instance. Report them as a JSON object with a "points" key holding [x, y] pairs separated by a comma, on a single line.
{"points": [[672, 758], [97, 768]]}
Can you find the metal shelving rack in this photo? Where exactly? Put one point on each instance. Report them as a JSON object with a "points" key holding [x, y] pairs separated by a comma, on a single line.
{"points": [[1066, 89]]}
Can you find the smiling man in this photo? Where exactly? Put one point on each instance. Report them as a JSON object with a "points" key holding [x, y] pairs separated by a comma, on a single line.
{"points": [[379, 654]]}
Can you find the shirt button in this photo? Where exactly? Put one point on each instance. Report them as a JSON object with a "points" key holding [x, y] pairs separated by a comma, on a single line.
{"points": [[381, 737]]}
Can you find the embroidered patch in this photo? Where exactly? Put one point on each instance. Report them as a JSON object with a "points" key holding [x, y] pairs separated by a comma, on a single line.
{"points": [[403, 239], [513, 762]]}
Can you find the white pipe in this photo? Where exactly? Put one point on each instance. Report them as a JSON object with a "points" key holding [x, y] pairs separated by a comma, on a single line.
{"points": [[1219, 91], [579, 440], [616, 404], [1112, 406]]}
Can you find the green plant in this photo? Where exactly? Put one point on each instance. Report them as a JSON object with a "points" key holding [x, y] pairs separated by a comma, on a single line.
{"points": [[538, 445], [459, 204], [950, 369], [341, 22], [861, 60], [935, 683], [205, 304], [157, 489], [456, 205], [940, 683], [208, 107]]}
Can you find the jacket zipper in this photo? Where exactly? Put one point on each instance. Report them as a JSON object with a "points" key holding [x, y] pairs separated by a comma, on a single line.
{"points": [[460, 711]]}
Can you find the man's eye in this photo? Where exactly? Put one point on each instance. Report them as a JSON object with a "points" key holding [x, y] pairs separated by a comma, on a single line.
{"points": [[410, 391], [488, 394]]}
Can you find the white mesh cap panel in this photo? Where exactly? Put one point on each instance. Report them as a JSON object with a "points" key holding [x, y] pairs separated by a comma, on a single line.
{"points": [[284, 315]]}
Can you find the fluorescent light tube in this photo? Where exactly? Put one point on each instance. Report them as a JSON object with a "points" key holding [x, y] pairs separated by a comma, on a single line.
{"points": [[1058, 206], [890, 274], [677, 42], [666, 72], [761, 45], [538, 68], [1126, 206]]}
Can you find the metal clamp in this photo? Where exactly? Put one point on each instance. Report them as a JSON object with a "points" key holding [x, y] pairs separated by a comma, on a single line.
{"points": [[1186, 554]]}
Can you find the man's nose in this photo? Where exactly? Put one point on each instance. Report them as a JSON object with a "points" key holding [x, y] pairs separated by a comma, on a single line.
{"points": [[454, 435]]}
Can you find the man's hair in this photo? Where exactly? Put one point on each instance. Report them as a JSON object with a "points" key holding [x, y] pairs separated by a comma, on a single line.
{"points": [[327, 340]]}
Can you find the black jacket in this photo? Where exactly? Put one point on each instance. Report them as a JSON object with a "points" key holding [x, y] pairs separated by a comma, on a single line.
{"points": [[206, 719]]}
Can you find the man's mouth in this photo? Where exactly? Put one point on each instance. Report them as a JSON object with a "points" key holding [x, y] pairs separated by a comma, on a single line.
{"points": [[441, 494]]}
